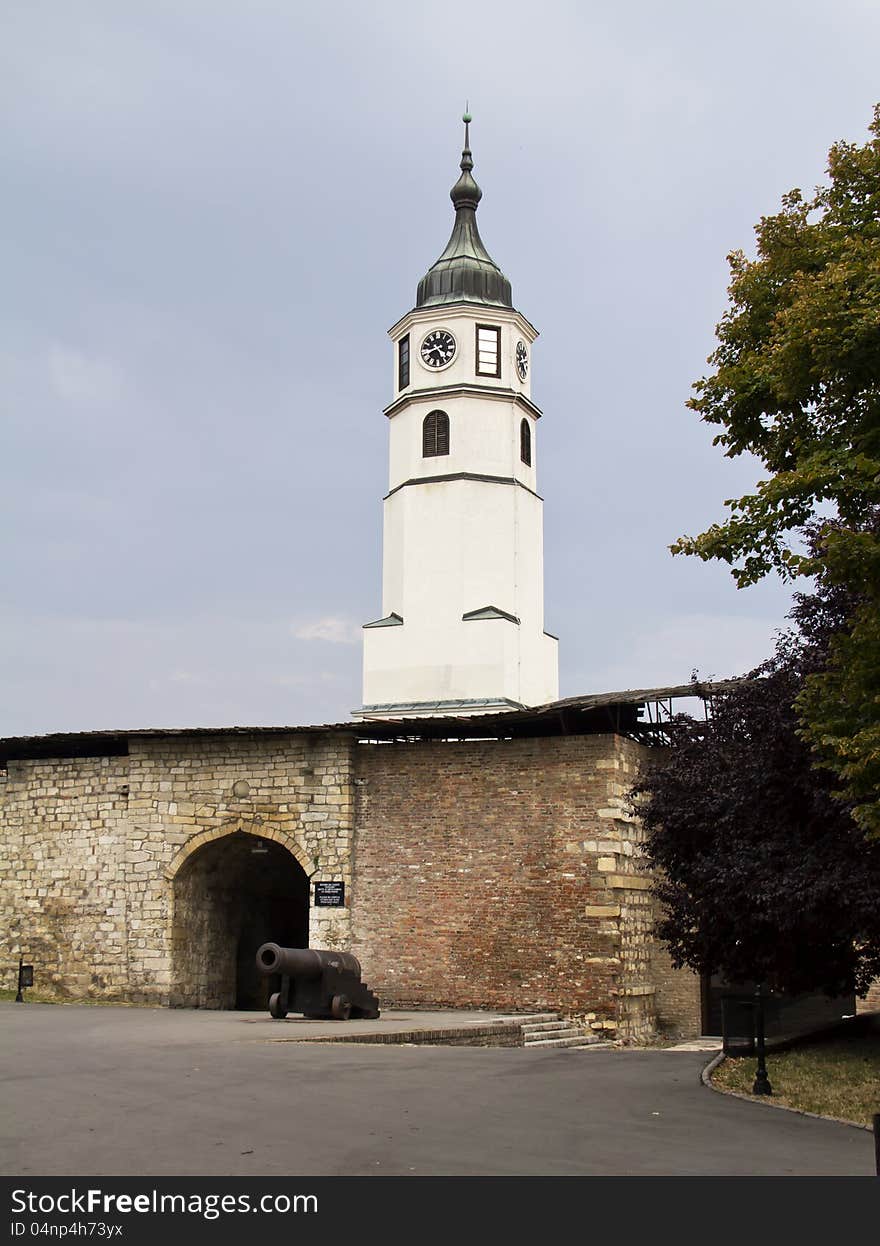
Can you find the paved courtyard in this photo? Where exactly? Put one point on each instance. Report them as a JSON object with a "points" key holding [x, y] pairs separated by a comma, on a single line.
{"points": [[128, 1091]]}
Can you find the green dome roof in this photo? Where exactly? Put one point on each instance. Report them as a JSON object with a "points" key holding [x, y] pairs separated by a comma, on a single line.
{"points": [[465, 271]]}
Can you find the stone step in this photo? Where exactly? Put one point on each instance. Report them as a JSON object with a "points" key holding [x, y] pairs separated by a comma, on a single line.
{"points": [[530, 1018], [528, 1039], [569, 1031], [546, 1029], [573, 1040]]}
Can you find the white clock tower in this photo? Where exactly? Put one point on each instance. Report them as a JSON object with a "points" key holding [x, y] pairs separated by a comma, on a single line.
{"points": [[462, 627]]}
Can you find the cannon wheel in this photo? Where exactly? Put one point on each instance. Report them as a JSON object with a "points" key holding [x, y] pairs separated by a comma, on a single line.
{"points": [[275, 1009], [340, 1008]]}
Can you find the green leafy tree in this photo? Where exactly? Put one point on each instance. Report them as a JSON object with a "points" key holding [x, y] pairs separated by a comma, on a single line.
{"points": [[797, 383], [839, 703]]}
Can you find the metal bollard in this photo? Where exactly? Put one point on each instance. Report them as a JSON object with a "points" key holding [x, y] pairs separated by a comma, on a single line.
{"points": [[25, 979]]}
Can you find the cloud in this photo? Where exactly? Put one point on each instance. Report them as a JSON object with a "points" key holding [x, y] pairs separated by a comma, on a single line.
{"points": [[83, 379], [331, 629]]}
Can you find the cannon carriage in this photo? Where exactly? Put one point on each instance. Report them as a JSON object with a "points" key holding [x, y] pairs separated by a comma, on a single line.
{"points": [[321, 985]]}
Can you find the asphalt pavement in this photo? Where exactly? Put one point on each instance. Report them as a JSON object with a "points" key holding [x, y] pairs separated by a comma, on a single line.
{"points": [[127, 1091]]}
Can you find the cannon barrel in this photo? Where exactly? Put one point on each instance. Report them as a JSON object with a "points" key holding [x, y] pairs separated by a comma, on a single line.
{"points": [[319, 984], [303, 962]]}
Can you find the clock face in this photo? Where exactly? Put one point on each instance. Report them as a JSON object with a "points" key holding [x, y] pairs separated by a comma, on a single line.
{"points": [[522, 360], [438, 348]]}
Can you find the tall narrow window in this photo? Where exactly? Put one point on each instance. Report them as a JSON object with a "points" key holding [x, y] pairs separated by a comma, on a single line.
{"points": [[488, 350], [435, 434], [403, 362], [525, 443]]}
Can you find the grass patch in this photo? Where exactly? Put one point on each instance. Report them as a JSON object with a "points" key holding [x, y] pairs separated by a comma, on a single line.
{"points": [[30, 996], [837, 1077], [33, 996]]}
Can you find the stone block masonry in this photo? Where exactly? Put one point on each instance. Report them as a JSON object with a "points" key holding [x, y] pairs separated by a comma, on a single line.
{"points": [[498, 874], [98, 850], [66, 901]]}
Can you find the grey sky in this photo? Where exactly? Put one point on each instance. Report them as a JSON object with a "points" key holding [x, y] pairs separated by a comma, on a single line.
{"points": [[213, 212]]}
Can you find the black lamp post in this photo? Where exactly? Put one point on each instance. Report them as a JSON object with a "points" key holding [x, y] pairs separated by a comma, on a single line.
{"points": [[762, 1081]]}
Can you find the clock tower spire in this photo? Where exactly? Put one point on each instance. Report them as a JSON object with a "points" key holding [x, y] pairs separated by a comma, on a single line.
{"points": [[462, 626], [465, 270]]}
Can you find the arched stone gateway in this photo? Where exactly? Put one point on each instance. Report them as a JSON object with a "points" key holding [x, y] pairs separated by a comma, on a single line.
{"points": [[230, 895]]}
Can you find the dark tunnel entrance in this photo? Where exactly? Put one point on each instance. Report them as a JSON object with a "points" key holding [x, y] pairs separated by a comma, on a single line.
{"points": [[229, 897]]}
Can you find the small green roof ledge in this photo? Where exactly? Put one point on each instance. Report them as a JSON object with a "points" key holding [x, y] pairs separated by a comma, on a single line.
{"points": [[465, 272]]}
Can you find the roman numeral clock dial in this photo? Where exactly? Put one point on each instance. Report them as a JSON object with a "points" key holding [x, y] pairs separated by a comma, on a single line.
{"points": [[522, 360], [437, 349]]}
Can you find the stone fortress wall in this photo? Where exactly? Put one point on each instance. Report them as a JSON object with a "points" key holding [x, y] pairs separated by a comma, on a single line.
{"points": [[100, 851], [488, 873]]}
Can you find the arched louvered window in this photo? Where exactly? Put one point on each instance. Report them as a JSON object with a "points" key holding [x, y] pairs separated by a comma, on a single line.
{"points": [[435, 434], [525, 443]]}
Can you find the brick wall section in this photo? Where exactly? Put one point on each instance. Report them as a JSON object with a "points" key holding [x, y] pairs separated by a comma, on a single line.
{"points": [[871, 1002], [502, 874], [678, 997], [97, 842]]}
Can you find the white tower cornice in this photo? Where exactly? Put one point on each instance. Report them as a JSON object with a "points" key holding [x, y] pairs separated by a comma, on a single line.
{"points": [[428, 315]]}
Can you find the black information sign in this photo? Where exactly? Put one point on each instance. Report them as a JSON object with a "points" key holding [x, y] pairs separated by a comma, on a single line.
{"points": [[330, 895]]}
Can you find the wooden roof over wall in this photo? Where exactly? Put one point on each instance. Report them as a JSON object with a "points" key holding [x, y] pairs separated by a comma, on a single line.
{"points": [[626, 713]]}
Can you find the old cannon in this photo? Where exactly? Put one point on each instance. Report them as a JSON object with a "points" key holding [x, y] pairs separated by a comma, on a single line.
{"points": [[321, 985]]}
